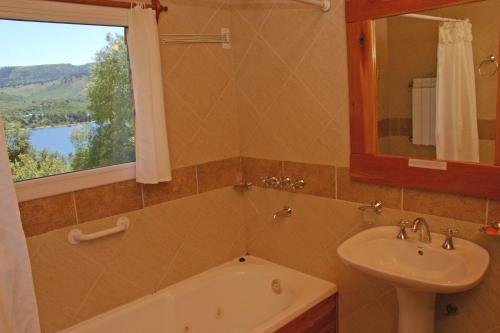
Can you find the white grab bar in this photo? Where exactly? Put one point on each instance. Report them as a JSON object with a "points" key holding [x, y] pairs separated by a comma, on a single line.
{"points": [[76, 236]]}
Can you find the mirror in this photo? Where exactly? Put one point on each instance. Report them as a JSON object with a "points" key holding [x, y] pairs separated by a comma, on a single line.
{"points": [[367, 82], [437, 82]]}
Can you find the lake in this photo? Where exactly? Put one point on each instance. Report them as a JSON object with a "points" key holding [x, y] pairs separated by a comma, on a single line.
{"points": [[54, 139]]}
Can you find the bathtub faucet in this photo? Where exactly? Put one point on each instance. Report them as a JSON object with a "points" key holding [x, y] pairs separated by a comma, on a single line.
{"points": [[285, 212]]}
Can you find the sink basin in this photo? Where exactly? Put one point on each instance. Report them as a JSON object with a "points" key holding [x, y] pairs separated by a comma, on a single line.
{"points": [[418, 270], [413, 264]]}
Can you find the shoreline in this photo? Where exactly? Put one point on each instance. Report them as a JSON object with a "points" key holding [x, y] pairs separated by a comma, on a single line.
{"points": [[60, 126]]}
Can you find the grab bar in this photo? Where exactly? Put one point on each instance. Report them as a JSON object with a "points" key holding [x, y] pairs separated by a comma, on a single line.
{"points": [[76, 236]]}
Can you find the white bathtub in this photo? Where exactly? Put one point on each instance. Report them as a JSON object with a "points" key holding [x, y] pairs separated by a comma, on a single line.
{"points": [[235, 297]]}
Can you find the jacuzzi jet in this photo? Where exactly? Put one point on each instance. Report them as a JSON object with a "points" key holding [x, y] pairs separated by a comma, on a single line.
{"points": [[276, 286], [219, 313]]}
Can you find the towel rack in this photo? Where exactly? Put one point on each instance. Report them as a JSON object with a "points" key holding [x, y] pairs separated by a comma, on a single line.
{"points": [[75, 236], [490, 60], [324, 4], [224, 38]]}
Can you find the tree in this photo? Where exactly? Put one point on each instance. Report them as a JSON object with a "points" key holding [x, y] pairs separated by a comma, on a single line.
{"points": [[25, 162], [111, 140], [38, 164], [17, 139]]}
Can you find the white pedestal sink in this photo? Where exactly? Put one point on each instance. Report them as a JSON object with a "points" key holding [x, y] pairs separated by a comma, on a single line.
{"points": [[417, 270]]}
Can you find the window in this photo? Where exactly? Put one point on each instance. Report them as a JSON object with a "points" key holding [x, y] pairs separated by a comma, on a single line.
{"points": [[65, 97], [64, 17], [71, 27]]}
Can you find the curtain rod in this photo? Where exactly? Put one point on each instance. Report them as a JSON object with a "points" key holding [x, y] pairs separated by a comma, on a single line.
{"points": [[155, 4], [324, 4], [430, 18]]}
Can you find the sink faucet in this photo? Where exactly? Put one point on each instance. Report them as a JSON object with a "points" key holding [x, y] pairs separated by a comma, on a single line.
{"points": [[425, 233]]}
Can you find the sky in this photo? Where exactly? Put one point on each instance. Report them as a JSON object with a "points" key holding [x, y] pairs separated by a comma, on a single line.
{"points": [[24, 43]]}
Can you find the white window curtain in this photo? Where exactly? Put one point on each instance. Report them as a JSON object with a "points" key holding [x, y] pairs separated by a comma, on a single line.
{"points": [[18, 307], [152, 156], [456, 114]]}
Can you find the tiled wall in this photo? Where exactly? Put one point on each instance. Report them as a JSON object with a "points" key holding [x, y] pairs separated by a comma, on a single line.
{"points": [[325, 214], [165, 243], [292, 95], [291, 75], [281, 94], [42, 215]]}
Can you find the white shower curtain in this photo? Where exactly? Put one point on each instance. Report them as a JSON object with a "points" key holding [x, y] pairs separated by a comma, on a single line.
{"points": [[151, 146], [456, 115], [18, 308]]}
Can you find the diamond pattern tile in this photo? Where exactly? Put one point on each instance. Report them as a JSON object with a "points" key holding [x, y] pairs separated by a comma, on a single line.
{"points": [[165, 243]]}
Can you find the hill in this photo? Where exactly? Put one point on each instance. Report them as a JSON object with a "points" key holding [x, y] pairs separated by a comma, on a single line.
{"points": [[23, 75], [44, 95]]}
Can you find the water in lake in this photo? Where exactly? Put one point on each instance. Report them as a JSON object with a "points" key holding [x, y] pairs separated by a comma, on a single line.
{"points": [[54, 139]]}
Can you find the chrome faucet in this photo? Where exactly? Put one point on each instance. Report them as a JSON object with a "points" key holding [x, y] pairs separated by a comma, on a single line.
{"points": [[285, 212], [375, 206], [242, 187], [419, 224]]}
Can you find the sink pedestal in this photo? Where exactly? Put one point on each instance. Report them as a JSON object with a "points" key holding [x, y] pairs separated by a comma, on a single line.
{"points": [[416, 311]]}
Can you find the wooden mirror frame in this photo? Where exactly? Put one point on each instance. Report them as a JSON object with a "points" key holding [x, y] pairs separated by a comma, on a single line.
{"points": [[367, 165]]}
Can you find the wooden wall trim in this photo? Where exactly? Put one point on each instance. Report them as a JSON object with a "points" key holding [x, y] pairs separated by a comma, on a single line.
{"points": [[362, 87], [361, 10], [477, 180], [497, 142]]}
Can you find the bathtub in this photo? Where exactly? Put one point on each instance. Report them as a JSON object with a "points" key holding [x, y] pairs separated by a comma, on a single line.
{"points": [[247, 294]]}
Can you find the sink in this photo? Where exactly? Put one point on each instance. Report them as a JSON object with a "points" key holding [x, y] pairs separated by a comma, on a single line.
{"points": [[418, 270]]}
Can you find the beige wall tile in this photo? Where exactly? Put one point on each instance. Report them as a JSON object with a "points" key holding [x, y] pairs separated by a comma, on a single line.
{"points": [[198, 79], [291, 41], [42, 215], [366, 193], [446, 205], [253, 11], [188, 262], [108, 200], [217, 174], [144, 254], [324, 67], [261, 74], [63, 275], [183, 184], [53, 314], [110, 291]]}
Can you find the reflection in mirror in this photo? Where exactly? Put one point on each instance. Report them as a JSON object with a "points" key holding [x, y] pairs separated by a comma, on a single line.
{"points": [[437, 82]]}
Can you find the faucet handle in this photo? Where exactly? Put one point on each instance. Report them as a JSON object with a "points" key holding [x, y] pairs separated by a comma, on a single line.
{"points": [[298, 184], [270, 181], [448, 242], [403, 224]]}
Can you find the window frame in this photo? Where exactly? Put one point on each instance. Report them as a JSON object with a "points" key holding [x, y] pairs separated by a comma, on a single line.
{"points": [[58, 12]]}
